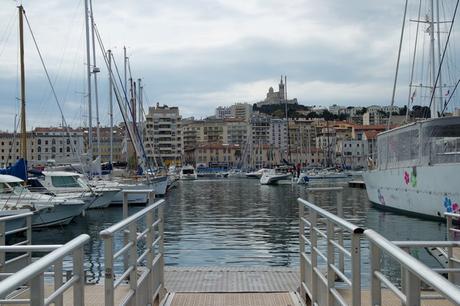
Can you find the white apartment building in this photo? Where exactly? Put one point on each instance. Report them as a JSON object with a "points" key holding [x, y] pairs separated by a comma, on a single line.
{"points": [[163, 135]]}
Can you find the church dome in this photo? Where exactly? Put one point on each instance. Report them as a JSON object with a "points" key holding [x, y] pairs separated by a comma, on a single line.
{"points": [[270, 90]]}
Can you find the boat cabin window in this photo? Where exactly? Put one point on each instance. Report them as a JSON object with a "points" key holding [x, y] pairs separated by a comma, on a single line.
{"points": [[188, 171], [442, 143], [399, 148], [64, 181]]}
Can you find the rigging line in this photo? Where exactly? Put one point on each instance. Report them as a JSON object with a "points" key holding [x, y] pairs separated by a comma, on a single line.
{"points": [[7, 33], [443, 54], [136, 131], [52, 89], [413, 61], [451, 95]]}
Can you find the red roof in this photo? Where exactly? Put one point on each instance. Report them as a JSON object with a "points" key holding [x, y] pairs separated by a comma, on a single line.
{"points": [[371, 135]]}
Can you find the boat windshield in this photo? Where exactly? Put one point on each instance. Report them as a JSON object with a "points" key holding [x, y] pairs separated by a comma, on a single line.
{"points": [[65, 181], [17, 188], [188, 171]]}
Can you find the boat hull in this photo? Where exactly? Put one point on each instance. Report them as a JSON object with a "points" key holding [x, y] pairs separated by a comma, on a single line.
{"points": [[425, 191], [59, 214]]}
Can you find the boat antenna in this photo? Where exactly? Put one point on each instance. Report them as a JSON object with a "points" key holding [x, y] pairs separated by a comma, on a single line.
{"points": [[397, 64]]}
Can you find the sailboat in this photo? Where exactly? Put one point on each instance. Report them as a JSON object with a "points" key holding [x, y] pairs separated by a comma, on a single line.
{"points": [[418, 165]]}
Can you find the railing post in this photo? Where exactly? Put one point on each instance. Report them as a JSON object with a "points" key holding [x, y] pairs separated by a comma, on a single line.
{"points": [[58, 282], [37, 290], [376, 293], [132, 262], [314, 256], [340, 231], [330, 262], [161, 248], [302, 249], [403, 270], [356, 269], [79, 271], [450, 253], [108, 275], [2, 242], [412, 289], [151, 198], [125, 232], [29, 235], [149, 242]]}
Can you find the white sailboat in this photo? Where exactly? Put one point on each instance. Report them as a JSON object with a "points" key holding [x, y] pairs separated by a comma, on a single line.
{"points": [[418, 165]]}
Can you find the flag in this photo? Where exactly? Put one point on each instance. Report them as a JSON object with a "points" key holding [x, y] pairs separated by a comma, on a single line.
{"points": [[448, 92]]}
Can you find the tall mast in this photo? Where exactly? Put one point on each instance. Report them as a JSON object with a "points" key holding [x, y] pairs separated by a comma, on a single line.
{"points": [[438, 30], [95, 71], [434, 111], [23, 85], [110, 105], [125, 65], [88, 74]]}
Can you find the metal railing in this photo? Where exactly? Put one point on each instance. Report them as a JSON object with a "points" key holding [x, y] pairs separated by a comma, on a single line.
{"points": [[144, 272], [33, 275], [318, 282], [15, 225], [323, 282], [413, 273]]}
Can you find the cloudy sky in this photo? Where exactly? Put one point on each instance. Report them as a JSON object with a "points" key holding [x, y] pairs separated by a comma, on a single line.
{"points": [[203, 53]]}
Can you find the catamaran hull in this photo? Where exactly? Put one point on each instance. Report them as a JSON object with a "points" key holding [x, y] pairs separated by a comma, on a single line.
{"points": [[425, 191]]}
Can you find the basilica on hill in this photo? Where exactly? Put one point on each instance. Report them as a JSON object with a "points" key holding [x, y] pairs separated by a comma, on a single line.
{"points": [[277, 97]]}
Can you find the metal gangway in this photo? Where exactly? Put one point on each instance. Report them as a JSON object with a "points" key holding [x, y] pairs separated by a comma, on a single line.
{"points": [[44, 282], [331, 261]]}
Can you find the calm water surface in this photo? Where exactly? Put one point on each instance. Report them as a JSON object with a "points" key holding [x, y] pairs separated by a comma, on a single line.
{"points": [[238, 222]]}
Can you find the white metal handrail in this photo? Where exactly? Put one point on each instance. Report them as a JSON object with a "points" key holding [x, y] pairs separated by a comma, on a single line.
{"points": [[24, 223], [34, 275], [414, 274], [313, 279], [144, 272]]}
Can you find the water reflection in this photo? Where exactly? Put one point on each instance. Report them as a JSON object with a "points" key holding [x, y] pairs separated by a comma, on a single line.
{"points": [[239, 222]]}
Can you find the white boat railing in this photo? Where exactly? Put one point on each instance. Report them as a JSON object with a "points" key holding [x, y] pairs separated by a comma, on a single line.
{"points": [[23, 224], [323, 282], [145, 272], [32, 277]]}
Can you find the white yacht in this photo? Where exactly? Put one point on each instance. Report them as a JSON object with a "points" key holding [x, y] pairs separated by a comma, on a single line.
{"points": [[272, 177], [418, 169], [188, 173], [48, 210], [69, 184], [256, 174]]}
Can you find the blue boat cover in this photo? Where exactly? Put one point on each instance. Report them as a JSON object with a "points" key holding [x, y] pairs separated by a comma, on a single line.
{"points": [[19, 169]]}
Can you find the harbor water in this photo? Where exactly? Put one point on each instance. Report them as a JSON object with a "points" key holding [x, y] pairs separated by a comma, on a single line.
{"points": [[238, 222]]}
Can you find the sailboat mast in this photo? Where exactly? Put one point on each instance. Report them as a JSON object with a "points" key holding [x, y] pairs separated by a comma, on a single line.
{"points": [[88, 74], [23, 85], [434, 111], [438, 30], [95, 71], [110, 105]]}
